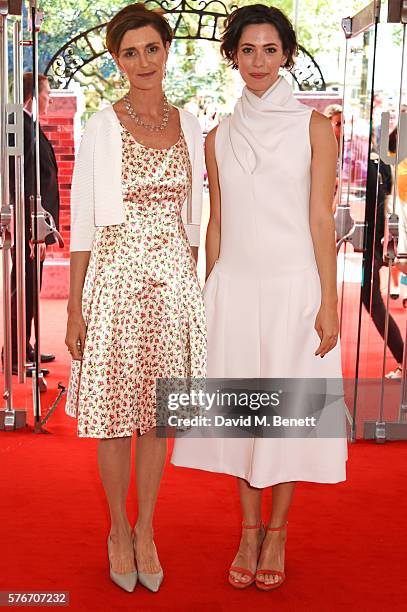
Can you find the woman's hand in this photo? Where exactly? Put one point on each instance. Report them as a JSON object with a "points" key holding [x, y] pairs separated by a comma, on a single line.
{"points": [[75, 335], [327, 328]]}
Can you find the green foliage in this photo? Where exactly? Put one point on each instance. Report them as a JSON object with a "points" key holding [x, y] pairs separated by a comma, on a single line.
{"points": [[184, 82], [328, 37], [66, 18]]}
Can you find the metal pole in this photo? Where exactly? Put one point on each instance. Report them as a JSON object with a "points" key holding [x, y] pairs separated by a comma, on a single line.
{"points": [[19, 212], [295, 26], [296, 13], [42, 223], [6, 211], [403, 390], [341, 143], [35, 200]]}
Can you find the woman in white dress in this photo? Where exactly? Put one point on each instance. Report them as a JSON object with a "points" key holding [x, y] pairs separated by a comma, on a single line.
{"points": [[270, 295]]}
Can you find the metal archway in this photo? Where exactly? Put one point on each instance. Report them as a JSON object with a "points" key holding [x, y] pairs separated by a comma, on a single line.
{"points": [[194, 20]]}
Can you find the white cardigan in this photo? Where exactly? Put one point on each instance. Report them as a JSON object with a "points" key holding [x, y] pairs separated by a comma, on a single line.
{"points": [[96, 194]]}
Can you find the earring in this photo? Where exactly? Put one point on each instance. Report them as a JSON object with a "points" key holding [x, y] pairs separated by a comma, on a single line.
{"points": [[123, 80]]}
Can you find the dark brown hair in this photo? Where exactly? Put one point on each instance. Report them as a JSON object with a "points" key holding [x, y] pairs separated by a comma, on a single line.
{"points": [[28, 79], [254, 15], [132, 17]]}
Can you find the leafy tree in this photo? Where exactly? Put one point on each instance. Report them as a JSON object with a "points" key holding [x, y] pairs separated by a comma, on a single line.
{"points": [[65, 19]]}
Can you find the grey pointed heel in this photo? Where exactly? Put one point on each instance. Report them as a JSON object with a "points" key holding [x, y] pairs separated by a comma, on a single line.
{"points": [[127, 582], [152, 582]]}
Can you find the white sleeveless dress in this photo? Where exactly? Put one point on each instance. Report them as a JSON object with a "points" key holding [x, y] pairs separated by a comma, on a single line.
{"points": [[264, 293]]}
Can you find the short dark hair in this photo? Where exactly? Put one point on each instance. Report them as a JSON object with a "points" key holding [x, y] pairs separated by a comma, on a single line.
{"points": [[28, 80], [132, 17], [254, 15]]}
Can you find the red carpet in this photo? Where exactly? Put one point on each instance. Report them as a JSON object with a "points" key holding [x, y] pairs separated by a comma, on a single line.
{"points": [[346, 543]]}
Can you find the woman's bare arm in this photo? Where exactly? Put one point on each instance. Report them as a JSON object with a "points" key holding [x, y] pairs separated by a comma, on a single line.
{"points": [[76, 328], [212, 245], [322, 225], [195, 250]]}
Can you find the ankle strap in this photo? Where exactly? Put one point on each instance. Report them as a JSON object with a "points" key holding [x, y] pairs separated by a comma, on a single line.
{"points": [[277, 528], [256, 526]]}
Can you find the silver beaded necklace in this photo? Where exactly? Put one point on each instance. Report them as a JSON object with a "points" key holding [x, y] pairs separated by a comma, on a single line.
{"points": [[153, 128]]}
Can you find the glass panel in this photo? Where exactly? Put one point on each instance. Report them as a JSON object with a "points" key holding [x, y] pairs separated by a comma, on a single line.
{"points": [[356, 135], [372, 91]]}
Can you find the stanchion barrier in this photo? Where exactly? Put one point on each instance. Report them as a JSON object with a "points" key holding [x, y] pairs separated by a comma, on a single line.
{"points": [[10, 418], [42, 222]]}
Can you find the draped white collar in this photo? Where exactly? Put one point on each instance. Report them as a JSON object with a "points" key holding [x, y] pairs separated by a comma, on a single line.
{"points": [[254, 121]]}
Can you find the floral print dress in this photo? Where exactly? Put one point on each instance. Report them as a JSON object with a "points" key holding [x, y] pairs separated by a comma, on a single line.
{"points": [[141, 299]]}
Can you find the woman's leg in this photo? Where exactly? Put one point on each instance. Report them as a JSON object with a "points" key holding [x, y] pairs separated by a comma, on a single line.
{"points": [[272, 551], [395, 281], [378, 312], [114, 468], [151, 452], [250, 502]]}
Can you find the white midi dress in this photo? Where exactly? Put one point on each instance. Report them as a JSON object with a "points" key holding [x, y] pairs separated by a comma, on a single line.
{"points": [[263, 294]]}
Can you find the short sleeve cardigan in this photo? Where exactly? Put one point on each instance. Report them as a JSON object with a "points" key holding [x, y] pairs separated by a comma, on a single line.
{"points": [[96, 194]]}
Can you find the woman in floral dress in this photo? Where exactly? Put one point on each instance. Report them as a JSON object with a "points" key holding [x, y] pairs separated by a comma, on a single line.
{"points": [[135, 311]]}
